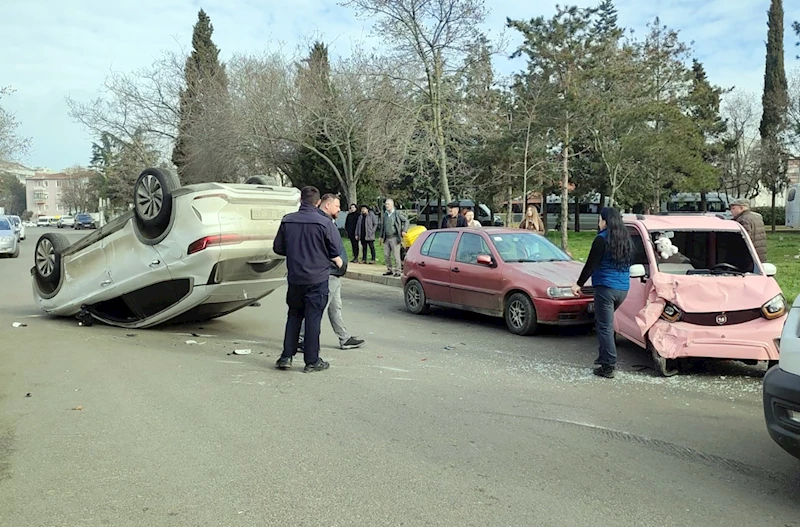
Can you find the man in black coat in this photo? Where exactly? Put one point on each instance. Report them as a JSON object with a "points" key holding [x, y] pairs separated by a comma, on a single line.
{"points": [[350, 228]]}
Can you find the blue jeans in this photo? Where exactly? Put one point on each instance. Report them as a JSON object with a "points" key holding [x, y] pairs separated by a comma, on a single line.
{"points": [[306, 302], [606, 301]]}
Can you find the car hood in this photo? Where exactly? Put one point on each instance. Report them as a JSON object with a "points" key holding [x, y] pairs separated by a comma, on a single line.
{"points": [[554, 273], [709, 294]]}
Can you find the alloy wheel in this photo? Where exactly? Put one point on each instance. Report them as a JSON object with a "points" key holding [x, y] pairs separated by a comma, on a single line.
{"points": [[149, 197], [45, 258], [516, 313]]}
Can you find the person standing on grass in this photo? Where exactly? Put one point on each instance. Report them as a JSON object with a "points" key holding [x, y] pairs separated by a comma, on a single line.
{"points": [[753, 223], [330, 207], [395, 225], [608, 264], [366, 226], [310, 242], [350, 227]]}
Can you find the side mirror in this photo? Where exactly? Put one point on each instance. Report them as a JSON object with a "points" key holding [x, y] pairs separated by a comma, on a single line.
{"points": [[485, 259], [769, 269], [637, 271]]}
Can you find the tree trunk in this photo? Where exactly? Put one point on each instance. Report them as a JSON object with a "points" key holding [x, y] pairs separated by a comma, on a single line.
{"points": [[773, 208], [438, 130], [350, 194], [565, 190], [510, 208], [703, 202]]}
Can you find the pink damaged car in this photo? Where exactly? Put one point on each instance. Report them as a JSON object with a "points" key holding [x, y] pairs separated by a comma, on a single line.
{"points": [[699, 290]]}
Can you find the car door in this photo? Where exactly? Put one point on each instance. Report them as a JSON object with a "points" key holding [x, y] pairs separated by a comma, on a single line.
{"points": [[86, 275], [132, 264], [625, 317], [473, 284], [434, 263]]}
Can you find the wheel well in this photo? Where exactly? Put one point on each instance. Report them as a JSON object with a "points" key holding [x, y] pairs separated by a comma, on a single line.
{"points": [[511, 292]]}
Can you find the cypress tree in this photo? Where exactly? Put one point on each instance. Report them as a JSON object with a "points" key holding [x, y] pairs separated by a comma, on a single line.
{"points": [[774, 103], [205, 76]]}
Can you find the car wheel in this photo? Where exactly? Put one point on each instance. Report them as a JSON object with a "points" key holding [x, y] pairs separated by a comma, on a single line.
{"points": [[663, 366], [416, 301], [47, 256], [15, 254], [152, 198], [520, 315], [255, 180]]}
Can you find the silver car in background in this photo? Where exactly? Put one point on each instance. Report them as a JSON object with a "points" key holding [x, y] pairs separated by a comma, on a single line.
{"points": [[9, 246], [19, 226]]}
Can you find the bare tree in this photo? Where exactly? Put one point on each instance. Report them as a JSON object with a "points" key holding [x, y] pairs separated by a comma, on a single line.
{"points": [[11, 144], [793, 108], [144, 101], [77, 194], [741, 170], [433, 36], [362, 120]]}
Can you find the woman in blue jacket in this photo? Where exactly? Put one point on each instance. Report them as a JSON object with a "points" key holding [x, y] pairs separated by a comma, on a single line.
{"points": [[608, 264]]}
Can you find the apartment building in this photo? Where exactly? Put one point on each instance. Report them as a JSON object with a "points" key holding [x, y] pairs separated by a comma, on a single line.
{"points": [[43, 193]]}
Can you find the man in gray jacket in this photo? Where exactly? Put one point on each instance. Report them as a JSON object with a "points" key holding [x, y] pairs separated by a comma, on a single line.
{"points": [[329, 207], [753, 223], [395, 225]]}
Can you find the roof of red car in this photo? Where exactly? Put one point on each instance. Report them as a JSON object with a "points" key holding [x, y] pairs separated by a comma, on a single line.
{"points": [[682, 222]]}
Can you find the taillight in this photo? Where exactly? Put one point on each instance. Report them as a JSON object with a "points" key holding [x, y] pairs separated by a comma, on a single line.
{"points": [[218, 239]]}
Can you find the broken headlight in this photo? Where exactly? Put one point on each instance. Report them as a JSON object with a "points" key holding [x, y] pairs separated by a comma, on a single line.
{"points": [[671, 313]]}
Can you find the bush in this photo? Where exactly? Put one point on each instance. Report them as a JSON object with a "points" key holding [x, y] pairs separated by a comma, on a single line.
{"points": [[766, 212]]}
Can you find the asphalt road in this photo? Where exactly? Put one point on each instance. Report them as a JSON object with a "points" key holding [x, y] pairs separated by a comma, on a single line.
{"points": [[441, 420]]}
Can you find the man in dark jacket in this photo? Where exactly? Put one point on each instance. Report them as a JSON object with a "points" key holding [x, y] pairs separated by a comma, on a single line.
{"points": [[329, 208], [310, 242], [753, 223], [453, 218], [350, 227], [395, 226]]}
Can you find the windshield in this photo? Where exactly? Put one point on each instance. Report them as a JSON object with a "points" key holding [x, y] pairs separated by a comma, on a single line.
{"points": [[527, 247], [4, 225], [703, 252]]}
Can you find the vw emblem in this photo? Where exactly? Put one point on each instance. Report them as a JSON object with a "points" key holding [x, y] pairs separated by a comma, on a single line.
{"points": [[721, 319]]}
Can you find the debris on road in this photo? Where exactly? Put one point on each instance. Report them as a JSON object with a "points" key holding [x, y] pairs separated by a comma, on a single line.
{"points": [[242, 352], [79, 407], [190, 342], [28, 394], [131, 335], [449, 347], [18, 325]]}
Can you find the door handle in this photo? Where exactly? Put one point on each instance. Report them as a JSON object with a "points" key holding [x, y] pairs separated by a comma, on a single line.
{"points": [[455, 270], [155, 263], [422, 264], [105, 283]]}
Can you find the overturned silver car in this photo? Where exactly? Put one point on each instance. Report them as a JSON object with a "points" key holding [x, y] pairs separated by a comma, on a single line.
{"points": [[182, 254]]}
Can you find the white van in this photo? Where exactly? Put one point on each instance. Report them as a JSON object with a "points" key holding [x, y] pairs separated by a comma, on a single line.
{"points": [[43, 221], [793, 207]]}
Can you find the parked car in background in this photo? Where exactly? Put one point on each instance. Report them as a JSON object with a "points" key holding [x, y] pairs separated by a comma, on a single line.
{"points": [[19, 227], [183, 254], [43, 221], [510, 273], [699, 290], [83, 221], [65, 221], [781, 388], [9, 245]]}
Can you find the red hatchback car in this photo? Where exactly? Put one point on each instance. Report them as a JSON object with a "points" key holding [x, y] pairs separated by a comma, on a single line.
{"points": [[510, 273]]}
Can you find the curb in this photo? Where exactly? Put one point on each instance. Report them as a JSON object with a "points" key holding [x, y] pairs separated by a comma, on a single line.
{"points": [[374, 278]]}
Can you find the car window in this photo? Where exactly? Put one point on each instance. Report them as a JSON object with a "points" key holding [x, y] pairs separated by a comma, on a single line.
{"points": [[639, 255], [470, 246], [442, 245], [527, 247], [4, 225], [426, 246], [702, 252]]}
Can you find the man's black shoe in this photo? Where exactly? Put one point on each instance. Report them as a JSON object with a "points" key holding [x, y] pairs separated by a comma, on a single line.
{"points": [[284, 363], [604, 371], [388, 273], [597, 361], [317, 366]]}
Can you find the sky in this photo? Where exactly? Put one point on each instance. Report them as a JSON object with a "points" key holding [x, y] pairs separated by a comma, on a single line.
{"points": [[51, 52]]}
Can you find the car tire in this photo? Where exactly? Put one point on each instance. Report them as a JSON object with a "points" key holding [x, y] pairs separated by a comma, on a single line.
{"points": [[414, 295], [255, 180], [152, 201], [15, 254], [663, 366], [520, 315], [47, 257]]}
